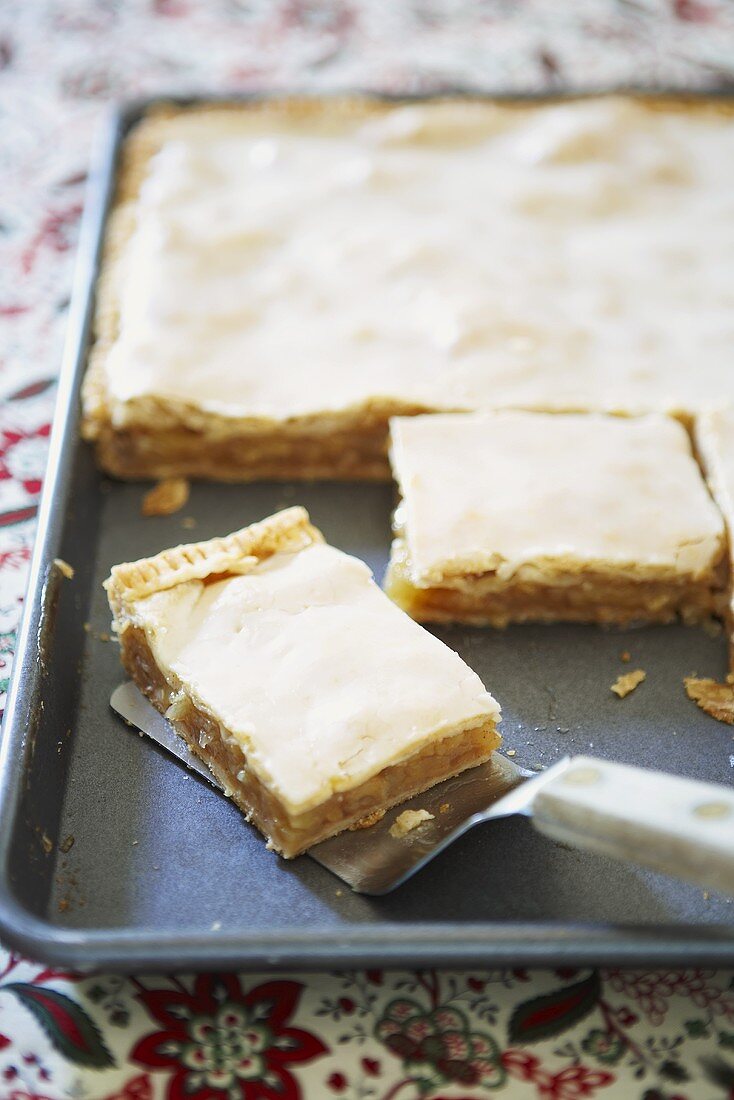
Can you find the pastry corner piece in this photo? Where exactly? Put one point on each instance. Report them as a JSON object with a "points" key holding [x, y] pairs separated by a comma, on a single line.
{"points": [[310, 696], [714, 440], [519, 516]]}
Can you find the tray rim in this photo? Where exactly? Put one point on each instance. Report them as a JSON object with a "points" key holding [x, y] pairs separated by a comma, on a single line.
{"points": [[389, 944]]}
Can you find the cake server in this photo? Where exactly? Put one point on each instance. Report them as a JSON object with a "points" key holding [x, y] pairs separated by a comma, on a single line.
{"points": [[679, 826]]}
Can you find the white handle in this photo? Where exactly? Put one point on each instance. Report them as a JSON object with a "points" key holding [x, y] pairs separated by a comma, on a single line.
{"points": [[679, 826]]}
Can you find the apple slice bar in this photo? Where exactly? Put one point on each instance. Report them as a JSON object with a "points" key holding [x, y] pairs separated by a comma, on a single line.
{"points": [[519, 516], [311, 697]]}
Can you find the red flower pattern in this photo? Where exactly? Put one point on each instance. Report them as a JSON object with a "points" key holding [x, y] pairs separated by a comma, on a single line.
{"points": [[220, 1043], [139, 1088], [572, 1083], [653, 990], [438, 1047], [21, 1094]]}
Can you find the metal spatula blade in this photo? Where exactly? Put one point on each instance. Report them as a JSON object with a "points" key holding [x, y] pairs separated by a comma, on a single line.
{"points": [[679, 826], [371, 861]]}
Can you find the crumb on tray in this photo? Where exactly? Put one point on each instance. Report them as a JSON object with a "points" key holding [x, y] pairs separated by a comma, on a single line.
{"points": [[714, 698], [98, 635], [407, 821], [627, 682], [67, 844], [444, 807], [625, 656], [712, 627], [188, 522], [64, 568], [367, 822], [166, 497]]}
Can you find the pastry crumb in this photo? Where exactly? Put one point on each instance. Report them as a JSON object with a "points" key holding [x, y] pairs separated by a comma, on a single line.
{"points": [[512, 752], [66, 844], [627, 682], [407, 821], [367, 822], [64, 568], [338, 893], [165, 498], [188, 522], [444, 807], [714, 698], [63, 905], [98, 635], [625, 656], [712, 627], [46, 843]]}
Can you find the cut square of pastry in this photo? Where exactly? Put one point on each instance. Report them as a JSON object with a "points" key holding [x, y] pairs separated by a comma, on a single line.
{"points": [[714, 438], [310, 696], [517, 516], [281, 278]]}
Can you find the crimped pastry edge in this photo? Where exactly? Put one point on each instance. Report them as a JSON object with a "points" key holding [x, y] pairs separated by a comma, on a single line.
{"points": [[287, 531]]}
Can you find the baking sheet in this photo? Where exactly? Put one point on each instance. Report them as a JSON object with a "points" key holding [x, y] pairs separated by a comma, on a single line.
{"points": [[113, 855]]}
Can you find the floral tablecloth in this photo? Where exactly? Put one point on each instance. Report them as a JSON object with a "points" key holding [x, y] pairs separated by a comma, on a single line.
{"points": [[369, 1035]]}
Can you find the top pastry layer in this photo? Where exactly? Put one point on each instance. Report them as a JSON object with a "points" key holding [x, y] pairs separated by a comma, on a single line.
{"points": [[284, 263], [307, 664], [532, 493], [715, 443]]}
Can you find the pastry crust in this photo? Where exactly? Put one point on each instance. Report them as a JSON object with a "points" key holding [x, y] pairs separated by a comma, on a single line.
{"points": [[715, 698], [516, 517], [251, 645], [167, 438], [285, 532], [714, 443], [477, 362]]}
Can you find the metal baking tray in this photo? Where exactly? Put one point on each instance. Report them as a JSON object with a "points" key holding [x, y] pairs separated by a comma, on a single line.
{"points": [[112, 855]]}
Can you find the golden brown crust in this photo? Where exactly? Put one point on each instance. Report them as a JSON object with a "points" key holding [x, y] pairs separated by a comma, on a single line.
{"points": [[351, 446], [716, 699], [166, 497], [367, 822], [710, 431], [626, 683], [288, 531], [585, 596]]}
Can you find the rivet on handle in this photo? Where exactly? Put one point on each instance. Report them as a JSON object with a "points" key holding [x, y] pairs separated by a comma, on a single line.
{"points": [[582, 777], [712, 809]]}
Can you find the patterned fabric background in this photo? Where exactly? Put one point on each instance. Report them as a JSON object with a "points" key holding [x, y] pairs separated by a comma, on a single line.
{"points": [[361, 1036]]}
